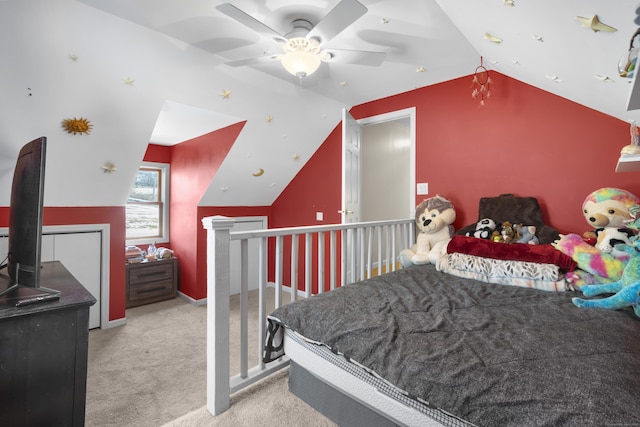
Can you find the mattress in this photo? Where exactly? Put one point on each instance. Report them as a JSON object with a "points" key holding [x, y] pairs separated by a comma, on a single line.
{"points": [[489, 354], [364, 386]]}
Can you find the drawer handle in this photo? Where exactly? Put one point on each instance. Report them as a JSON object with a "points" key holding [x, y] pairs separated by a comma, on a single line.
{"points": [[145, 291], [153, 273]]}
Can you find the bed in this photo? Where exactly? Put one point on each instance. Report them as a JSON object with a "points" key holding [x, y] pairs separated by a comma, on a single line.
{"points": [[421, 346]]}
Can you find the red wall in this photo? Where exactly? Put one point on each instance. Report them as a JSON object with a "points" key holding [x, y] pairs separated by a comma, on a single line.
{"points": [[194, 163], [523, 141], [193, 166], [316, 188]]}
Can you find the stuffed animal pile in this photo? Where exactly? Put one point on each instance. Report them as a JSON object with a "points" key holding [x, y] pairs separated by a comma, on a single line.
{"points": [[434, 217], [486, 228], [609, 211], [526, 234]]}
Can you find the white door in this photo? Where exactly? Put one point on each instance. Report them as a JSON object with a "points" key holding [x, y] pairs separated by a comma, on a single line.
{"points": [[354, 166], [351, 192], [351, 166], [80, 253]]}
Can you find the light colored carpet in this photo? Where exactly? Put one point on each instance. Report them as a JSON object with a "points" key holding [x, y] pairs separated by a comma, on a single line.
{"points": [[152, 372]]}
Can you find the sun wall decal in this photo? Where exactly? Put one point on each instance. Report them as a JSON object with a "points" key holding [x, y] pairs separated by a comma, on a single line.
{"points": [[76, 126]]}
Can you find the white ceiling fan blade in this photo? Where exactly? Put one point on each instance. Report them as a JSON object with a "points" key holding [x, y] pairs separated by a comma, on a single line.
{"points": [[340, 17], [252, 61], [249, 21], [358, 57]]}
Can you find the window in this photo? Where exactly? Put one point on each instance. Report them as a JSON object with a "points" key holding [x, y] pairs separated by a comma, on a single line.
{"points": [[147, 212]]}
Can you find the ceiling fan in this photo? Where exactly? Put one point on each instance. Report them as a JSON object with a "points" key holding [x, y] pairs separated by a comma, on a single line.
{"points": [[303, 46]]}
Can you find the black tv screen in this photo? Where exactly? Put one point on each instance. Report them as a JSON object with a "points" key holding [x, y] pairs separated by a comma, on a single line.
{"points": [[25, 215]]}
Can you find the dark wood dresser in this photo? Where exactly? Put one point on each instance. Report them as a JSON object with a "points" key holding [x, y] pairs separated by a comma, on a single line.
{"points": [[43, 353], [151, 281]]}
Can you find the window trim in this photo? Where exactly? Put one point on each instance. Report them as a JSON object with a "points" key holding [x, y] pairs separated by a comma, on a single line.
{"points": [[165, 175]]}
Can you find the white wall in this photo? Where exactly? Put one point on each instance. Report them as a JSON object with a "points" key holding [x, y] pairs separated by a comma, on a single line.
{"points": [[386, 159], [41, 85]]}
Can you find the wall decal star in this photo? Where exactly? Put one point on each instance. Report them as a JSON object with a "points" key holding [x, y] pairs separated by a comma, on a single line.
{"points": [[604, 78], [269, 118], [128, 81], [492, 38], [595, 24], [225, 94], [109, 168]]}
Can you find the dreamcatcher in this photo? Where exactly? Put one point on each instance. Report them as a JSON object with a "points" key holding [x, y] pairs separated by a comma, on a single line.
{"points": [[481, 84]]}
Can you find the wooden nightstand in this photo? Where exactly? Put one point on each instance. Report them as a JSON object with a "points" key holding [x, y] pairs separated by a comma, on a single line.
{"points": [[151, 281]]}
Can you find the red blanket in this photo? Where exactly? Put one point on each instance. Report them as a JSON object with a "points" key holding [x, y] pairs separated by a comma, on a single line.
{"points": [[543, 254]]}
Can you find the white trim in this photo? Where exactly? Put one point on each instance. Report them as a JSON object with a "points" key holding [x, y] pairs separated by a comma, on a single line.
{"points": [[190, 300], [263, 218]]}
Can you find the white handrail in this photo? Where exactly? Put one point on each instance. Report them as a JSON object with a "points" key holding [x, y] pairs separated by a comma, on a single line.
{"points": [[357, 239]]}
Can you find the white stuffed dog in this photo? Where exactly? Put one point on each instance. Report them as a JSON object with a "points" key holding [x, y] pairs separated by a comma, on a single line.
{"points": [[434, 217]]}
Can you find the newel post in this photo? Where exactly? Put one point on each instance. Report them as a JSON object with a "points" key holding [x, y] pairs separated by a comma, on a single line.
{"points": [[218, 277]]}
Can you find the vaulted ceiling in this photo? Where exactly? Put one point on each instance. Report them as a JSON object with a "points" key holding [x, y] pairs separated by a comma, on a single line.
{"points": [[166, 71]]}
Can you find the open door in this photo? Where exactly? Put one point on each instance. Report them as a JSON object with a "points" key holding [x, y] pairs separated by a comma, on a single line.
{"points": [[368, 145], [351, 192], [351, 168]]}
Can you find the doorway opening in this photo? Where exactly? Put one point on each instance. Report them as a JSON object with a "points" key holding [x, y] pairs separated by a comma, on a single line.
{"points": [[379, 180]]}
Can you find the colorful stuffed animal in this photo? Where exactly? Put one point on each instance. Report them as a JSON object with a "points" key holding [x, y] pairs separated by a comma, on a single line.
{"points": [[484, 229], [626, 291], [434, 217], [608, 213], [526, 234], [603, 208]]}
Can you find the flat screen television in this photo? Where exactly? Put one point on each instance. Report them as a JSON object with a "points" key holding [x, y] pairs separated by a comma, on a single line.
{"points": [[25, 218]]}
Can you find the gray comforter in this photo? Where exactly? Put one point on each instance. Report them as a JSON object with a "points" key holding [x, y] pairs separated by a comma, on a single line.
{"points": [[493, 355]]}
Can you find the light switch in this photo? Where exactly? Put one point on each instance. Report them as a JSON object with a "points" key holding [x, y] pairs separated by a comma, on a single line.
{"points": [[319, 216], [423, 189]]}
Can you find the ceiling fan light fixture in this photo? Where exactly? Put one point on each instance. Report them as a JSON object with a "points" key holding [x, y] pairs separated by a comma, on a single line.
{"points": [[302, 56], [300, 64]]}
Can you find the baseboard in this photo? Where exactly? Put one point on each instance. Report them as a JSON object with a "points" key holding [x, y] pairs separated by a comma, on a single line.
{"points": [[202, 301], [114, 323]]}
